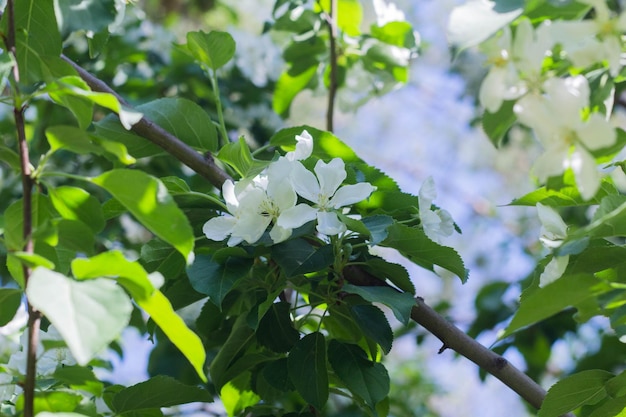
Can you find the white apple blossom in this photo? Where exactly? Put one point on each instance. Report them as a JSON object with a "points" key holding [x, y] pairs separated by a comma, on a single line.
{"points": [[556, 118], [324, 190], [588, 42], [553, 233], [436, 223], [516, 63]]}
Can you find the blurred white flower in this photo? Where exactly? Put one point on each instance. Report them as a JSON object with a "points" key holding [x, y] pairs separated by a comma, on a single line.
{"points": [[516, 63], [257, 57], [324, 190], [567, 139], [436, 223], [387, 12], [553, 233], [48, 358]]}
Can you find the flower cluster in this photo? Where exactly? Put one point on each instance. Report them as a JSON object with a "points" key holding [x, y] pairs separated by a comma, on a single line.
{"points": [[271, 198], [557, 109]]}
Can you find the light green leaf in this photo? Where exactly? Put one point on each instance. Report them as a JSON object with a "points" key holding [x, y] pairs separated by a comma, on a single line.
{"points": [[54, 401], [74, 203], [89, 315], [367, 379], [540, 303], [148, 200], [49, 414], [417, 247], [289, 84], [217, 279], [113, 264], [214, 49], [574, 391], [181, 117], [238, 156], [307, 369], [236, 400], [10, 157], [160, 310], [42, 213], [10, 300], [276, 331], [32, 260], [156, 392], [473, 22], [373, 324], [79, 378], [400, 303], [395, 33]]}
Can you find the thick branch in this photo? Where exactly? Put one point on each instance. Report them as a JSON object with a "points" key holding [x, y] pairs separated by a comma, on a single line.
{"points": [[203, 165], [455, 339]]}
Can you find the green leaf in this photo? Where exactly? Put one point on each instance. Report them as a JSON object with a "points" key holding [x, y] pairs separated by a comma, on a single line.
{"points": [[89, 315], [298, 257], [396, 274], [373, 324], [181, 117], [276, 373], [10, 300], [417, 247], [75, 236], [160, 310], [276, 331], [237, 343], [55, 401], [42, 213], [540, 303], [113, 264], [325, 144], [76, 140], [574, 391], [87, 15], [367, 379], [377, 226], [32, 260], [400, 303], [473, 22], [236, 400], [349, 15], [148, 200], [74, 203], [79, 378], [566, 196], [497, 124], [395, 33], [289, 85], [214, 49], [616, 386], [10, 157], [307, 369], [156, 392], [36, 37], [238, 156], [217, 279], [614, 407]]}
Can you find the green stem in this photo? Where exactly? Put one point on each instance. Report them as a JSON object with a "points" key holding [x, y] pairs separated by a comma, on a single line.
{"points": [[218, 104]]}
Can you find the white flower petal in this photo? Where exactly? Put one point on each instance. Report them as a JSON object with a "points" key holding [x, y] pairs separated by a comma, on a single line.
{"points": [[251, 226], [304, 182], [552, 162], [567, 97], [553, 227], [328, 223], [350, 194], [554, 270], [493, 89], [218, 228], [228, 192], [597, 133], [279, 234], [586, 173], [330, 175], [282, 193], [431, 224], [304, 147], [296, 216]]}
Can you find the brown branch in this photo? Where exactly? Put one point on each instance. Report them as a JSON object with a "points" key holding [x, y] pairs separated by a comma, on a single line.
{"points": [[204, 165], [331, 20]]}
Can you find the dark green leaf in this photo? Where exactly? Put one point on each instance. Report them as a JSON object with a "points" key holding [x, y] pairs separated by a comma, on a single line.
{"points": [[574, 391], [416, 246], [297, 257], [234, 347], [159, 391], [10, 300], [616, 386], [214, 49], [373, 324], [396, 274], [217, 279], [377, 226], [611, 408], [276, 374], [307, 369], [400, 303], [10, 157], [87, 15], [276, 331], [148, 200], [367, 379], [75, 236], [497, 124]]}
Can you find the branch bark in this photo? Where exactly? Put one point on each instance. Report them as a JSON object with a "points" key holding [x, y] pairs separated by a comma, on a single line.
{"points": [[451, 336], [204, 165], [331, 20]]}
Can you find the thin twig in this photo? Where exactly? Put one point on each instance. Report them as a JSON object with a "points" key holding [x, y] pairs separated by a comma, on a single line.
{"points": [[331, 20], [204, 165]]}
